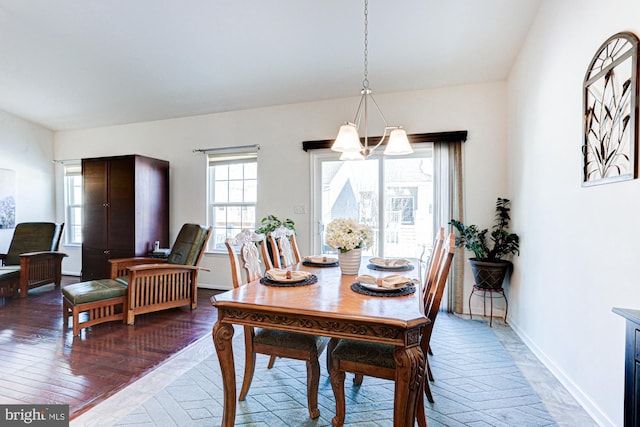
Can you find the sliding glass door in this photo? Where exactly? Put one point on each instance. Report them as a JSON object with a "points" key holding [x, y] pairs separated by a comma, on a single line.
{"points": [[393, 195]]}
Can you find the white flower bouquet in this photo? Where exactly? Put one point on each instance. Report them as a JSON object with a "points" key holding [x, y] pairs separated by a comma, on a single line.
{"points": [[345, 234]]}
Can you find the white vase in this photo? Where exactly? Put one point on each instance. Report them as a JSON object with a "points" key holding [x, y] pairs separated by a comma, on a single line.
{"points": [[350, 261]]}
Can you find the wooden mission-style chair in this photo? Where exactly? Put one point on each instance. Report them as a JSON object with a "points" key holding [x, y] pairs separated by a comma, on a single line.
{"points": [[155, 284], [33, 259], [284, 247], [244, 254], [139, 285], [377, 360]]}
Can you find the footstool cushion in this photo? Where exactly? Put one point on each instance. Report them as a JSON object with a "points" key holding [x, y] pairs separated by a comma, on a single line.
{"points": [[93, 290], [103, 301]]}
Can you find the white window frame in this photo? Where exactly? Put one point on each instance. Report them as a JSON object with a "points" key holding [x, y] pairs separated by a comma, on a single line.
{"points": [[228, 156], [72, 170], [316, 159]]}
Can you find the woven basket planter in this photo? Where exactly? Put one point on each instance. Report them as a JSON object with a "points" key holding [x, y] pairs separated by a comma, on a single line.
{"points": [[489, 274]]}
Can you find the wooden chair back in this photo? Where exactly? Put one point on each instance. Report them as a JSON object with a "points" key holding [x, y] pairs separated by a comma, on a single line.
{"points": [[432, 266], [244, 254], [189, 245], [33, 237], [284, 247], [435, 288]]}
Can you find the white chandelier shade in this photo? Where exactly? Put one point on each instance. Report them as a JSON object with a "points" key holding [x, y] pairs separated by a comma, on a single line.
{"points": [[348, 139], [398, 144]]}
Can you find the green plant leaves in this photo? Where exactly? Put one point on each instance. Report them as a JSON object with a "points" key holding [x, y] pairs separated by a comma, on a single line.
{"points": [[503, 242], [271, 222]]}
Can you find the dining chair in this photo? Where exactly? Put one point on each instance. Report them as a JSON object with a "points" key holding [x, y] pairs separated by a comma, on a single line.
{"points": [[244, 254], [284, 247], [430, 270], [427, 294], [377, 360], [284, 252]]}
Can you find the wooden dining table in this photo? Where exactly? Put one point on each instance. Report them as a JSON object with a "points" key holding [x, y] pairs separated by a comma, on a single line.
{"points": [[329, 308]]}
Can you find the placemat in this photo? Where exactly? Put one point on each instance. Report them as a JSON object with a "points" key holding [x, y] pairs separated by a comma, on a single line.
{"points": [[407, 267], [359, 289], [311, 280], [313, 264]]}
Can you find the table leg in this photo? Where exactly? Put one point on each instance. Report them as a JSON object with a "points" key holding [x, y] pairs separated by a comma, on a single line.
{"points": [[222, 335], [409, 376]]}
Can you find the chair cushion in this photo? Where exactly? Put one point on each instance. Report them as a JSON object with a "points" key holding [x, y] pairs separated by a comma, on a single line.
{"points": [[285, 339], [188, 244], [365, 352], [93, 290], [9, 271], [32, 237]]}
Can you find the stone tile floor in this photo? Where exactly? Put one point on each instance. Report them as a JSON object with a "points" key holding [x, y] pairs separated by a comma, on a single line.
{"points": [[478, 383]]}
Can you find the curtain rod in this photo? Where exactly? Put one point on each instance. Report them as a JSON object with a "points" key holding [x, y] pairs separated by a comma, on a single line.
{"points": [[453, 136], [224, 149], [64, 162]]}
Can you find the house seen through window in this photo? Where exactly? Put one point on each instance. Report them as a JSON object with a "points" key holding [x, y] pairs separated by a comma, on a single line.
{"points": [[393, 195]]}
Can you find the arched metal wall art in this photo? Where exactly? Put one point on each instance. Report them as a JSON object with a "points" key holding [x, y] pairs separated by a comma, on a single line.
{"points": [[611, 112]]}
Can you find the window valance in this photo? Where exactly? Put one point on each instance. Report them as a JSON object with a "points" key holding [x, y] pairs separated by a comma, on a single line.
{"points": [[416, 138]]}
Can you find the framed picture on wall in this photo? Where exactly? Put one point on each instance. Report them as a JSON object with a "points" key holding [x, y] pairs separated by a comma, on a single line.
{"points": [[611, 112], [7, 198]]}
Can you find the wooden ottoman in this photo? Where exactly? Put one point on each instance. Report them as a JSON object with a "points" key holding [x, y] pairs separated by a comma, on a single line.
{"points": [[9, 281], [103, 301]]}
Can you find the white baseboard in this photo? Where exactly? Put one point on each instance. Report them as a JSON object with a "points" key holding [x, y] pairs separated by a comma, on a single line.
{"points": [[215, 287], [71, 273], [589, 406]]}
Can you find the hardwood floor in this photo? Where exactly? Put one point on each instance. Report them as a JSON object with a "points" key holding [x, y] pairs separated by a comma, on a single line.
{"points": [[42, 363]]}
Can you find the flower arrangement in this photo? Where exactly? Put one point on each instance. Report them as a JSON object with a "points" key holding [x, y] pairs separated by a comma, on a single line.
{"points": [[345, 234]]}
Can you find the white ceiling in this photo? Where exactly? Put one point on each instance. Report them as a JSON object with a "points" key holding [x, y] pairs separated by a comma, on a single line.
{"points": [[70, 64]]}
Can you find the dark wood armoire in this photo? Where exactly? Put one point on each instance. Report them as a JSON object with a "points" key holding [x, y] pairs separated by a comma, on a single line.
{"points": [[125, 210]]}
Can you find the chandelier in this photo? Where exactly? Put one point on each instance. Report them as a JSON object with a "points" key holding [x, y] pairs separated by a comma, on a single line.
{"points": [[348, 140]]}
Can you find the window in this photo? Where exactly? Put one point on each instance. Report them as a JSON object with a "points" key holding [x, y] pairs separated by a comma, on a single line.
{"points": [[232, 194], [393, 195], [73, 203]]}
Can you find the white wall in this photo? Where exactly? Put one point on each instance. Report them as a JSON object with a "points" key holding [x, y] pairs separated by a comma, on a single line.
{"points": [[283, 167], [27, 149], [579, 251]]}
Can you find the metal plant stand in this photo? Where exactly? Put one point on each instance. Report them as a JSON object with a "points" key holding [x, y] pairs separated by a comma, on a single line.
{"points": [[492, 295]]}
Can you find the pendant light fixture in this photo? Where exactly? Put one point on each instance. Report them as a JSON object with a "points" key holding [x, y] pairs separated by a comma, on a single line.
{"points": [[348, 140]]}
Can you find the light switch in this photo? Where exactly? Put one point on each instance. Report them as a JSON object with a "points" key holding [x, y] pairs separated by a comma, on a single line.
{"points": [[299, 209]]}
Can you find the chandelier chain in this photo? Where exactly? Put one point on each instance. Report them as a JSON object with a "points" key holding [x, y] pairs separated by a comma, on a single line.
{"points": [[365, 82], [349, 142]]}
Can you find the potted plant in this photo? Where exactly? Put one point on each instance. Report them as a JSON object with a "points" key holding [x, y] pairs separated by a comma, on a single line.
{"points": [[489, 265], [270, 223]]}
